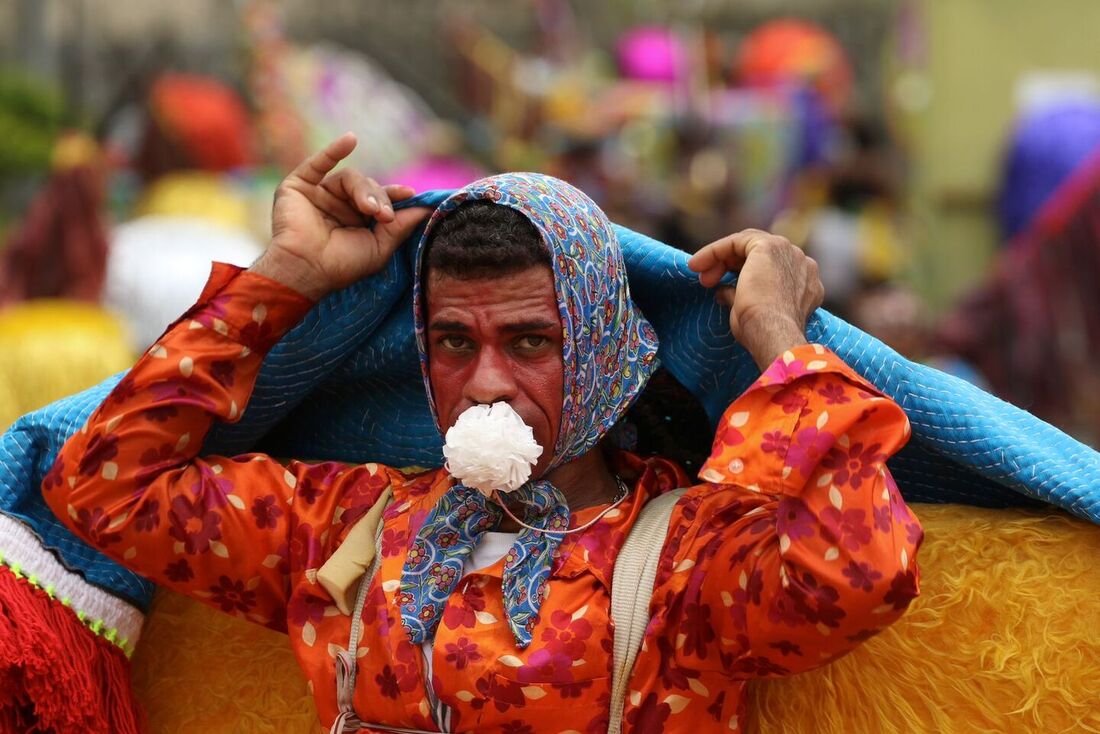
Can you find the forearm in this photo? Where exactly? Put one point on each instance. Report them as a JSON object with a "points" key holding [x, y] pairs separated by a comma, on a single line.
{"points": [[153, 423], [823, 554]]}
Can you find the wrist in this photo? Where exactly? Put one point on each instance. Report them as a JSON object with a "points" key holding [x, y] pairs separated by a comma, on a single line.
{"points": [[767, 336], [292, 272]]}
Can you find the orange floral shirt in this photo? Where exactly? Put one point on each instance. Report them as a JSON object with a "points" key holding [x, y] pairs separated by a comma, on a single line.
{"points": [[795, 547]]}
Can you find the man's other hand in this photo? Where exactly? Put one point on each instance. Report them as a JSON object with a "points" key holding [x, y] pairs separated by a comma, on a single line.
{"points": [[321, 240], [777, 290]]}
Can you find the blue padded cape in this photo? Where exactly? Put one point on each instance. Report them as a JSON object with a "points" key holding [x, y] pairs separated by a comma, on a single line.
{"points": [[345, 384]]}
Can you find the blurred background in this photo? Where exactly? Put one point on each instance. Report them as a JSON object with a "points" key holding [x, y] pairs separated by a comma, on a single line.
{"points": [[941, 160]]}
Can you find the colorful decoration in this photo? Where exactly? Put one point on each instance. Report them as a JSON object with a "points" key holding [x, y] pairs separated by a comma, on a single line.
{"points": [[796, 52], [436, 172], [60, 249], [1047, 145], [651, 54], [64, 643], [1032, 328], [335, 90], [206, 118]]}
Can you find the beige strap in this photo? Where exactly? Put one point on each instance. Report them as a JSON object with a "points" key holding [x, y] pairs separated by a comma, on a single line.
{"points": [[631, 592], [339, 575], [367, 556]]}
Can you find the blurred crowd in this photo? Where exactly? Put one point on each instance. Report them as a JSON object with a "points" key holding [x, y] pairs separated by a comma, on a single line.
{"points": [[676, 131]]}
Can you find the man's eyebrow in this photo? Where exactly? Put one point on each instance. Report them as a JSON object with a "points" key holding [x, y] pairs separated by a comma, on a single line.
{"points": [[529, 326], [449, 326]]}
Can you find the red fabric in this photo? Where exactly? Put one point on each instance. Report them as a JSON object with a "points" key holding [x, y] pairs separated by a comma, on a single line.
{"points": [[1033, 328], [206, 118], [784, 51], [55, 674], [60, 250]]}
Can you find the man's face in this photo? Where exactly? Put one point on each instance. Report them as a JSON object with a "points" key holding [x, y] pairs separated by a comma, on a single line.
{"points": [[498, 339]]}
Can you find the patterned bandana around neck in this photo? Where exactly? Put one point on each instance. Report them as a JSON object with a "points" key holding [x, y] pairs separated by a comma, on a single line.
{"points": [[609, 351]]}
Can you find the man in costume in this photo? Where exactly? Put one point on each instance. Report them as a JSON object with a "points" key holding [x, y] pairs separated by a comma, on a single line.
{"points": [[793, 547]]}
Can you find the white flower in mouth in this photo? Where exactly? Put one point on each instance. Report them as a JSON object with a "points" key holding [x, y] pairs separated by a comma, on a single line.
{"points": [[490, 448]]}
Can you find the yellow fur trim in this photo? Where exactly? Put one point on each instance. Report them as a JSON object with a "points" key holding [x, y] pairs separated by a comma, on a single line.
{"points": [[198, 670], [53, 348], [1003, 639]]}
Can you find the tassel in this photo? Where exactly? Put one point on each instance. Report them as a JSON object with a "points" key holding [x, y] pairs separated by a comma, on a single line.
{"points": [[55, 673]]}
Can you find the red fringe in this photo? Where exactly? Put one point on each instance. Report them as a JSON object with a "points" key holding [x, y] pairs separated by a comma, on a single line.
{"points": [[56, 675]]}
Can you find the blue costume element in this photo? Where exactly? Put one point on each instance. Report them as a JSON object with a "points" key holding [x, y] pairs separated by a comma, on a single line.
{"points": [[354, 357]]}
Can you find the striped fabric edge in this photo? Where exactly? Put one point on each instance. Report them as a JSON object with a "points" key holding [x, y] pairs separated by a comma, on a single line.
{"points": [[101, 612]]}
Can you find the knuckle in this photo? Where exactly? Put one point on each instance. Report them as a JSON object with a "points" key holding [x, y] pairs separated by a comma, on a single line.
{"points": [[773, 241]]}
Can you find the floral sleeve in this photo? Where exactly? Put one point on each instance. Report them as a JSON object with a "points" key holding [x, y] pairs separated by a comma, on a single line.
{"points": [[228, 531], [799, 546]]}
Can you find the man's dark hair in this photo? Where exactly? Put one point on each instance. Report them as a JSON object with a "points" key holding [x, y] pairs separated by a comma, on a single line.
{"points": [[480, 239]]}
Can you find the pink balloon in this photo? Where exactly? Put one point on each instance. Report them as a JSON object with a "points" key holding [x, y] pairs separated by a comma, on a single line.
{"points": [[650, 53]]}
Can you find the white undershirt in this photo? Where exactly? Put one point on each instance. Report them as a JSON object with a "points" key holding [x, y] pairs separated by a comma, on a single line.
{"points": [[490, 548]]}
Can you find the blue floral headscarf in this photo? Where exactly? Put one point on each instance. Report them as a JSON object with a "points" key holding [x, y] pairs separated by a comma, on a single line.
{"points": [[609, 351]]}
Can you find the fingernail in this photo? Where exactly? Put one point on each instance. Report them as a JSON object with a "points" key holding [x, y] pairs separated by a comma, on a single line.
{"points": [[388, 210], [372, 202]]}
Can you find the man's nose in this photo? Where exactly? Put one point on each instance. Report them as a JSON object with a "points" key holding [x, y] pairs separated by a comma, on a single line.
{"points": [[492, 380]]}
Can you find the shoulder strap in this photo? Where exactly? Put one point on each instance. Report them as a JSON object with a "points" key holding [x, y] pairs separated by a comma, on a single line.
{"points": [[632, 591], [347, 661]]}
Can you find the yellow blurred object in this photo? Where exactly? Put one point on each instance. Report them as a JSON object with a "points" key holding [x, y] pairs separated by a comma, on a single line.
{"points": [[74, 149], [1001, 640], [51, 348], [882, 256], [195, 194]]}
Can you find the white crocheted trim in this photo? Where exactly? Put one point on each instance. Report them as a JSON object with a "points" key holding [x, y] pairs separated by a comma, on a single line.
{"points": [[104, 614]]}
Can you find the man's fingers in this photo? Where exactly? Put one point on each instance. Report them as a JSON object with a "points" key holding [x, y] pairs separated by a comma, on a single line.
{"points": [[725, 295], [314, 169], [386, 195], [715, 260], [362, 193], [399, 192], [367, 195], [727, 255], [721, 256], [377, 200], [391, 234], [333, 205]]}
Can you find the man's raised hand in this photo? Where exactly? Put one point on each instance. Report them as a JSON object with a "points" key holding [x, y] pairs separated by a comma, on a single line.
{"points": [[777, 290], [320, 240]]}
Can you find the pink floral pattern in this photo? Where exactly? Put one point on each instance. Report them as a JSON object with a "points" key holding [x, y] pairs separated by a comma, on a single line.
{"points": [[795, 547]]}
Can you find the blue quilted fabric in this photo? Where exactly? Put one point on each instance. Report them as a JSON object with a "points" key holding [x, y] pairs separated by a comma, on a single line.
{"points": [[354, 357]]}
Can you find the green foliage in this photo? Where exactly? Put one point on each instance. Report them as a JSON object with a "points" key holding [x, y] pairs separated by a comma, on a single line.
{"points": [[32, 113]]}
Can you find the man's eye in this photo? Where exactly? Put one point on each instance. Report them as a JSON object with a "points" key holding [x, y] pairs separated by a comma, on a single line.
{"points": [[531, 341], [454, 343]]}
